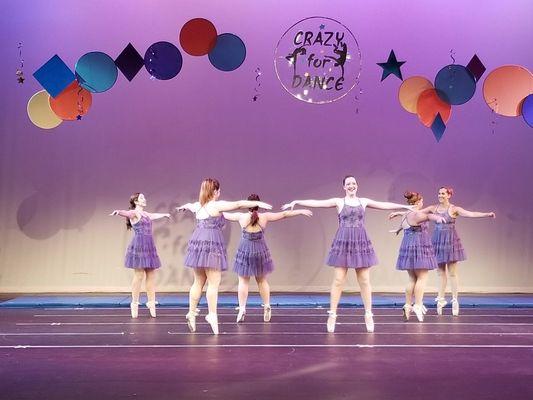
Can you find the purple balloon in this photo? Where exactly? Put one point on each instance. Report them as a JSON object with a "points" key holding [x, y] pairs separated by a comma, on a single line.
{"points": [[527, 110]]}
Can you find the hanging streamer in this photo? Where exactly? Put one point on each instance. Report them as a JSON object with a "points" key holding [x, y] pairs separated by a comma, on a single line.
{"points": [[452, 53], [20, 69], [257, 84]]}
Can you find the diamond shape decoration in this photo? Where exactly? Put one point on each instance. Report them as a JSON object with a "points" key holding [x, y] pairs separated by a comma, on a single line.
{"points": [[129, 62], [438, 127], [54, 76], [476, 67]]}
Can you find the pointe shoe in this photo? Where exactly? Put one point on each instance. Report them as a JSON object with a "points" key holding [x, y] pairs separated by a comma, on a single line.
{"points": [[267, 313], [455, 307], [369, 321], [406, 312], [332, 318], [441, 303], [419, 312], [241, 314], [191, 319], [213, 321], [151, 308], [134, 308]]}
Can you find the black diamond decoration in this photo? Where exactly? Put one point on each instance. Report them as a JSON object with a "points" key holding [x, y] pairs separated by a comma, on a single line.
{"points": [[476, 67], [129, 62]]}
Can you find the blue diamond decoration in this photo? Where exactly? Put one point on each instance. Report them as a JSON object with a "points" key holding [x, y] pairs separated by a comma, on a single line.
{"points": [[438, 127], [54, 76]]}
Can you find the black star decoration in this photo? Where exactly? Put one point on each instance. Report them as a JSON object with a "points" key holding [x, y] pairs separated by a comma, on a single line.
{"points": [[78, 117], [20, 79], [392, 66]]}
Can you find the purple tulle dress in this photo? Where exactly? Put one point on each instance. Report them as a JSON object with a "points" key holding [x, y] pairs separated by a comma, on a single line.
{"points": [[446, 241], [416, 250], [351, 246], [206, 247], [141, 251], [253, 257]]}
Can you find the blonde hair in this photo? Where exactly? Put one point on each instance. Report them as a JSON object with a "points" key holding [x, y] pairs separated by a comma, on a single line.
{"points": [[207, 190]]}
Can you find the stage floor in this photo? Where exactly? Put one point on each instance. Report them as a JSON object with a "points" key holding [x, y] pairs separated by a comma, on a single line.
{"points": [[101, 353]]}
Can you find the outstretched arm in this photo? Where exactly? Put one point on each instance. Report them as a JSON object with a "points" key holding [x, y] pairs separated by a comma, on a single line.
{"points": [[125, 213], [385, 205], [270, 217], [235, 205], [155, 216], [232, 216], [472, 214], [192, 207], [313, 203]]}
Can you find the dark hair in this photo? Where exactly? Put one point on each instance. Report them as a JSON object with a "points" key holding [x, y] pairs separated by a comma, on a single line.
{"points": [[346, 177], [134, 197], [207, 190], [412, 197], [255, 215], [448, 189]]}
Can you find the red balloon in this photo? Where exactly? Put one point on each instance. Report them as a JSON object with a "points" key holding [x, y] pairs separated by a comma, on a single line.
{"points": [[198, 37], [429, 104]]}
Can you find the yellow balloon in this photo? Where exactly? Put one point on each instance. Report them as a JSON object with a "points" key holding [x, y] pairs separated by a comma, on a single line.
{"points": [[409, 91], [40, 113]]}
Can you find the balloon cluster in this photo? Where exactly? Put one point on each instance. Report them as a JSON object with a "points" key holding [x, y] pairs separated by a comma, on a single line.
{"points": [[68, 95], [432, 101]]}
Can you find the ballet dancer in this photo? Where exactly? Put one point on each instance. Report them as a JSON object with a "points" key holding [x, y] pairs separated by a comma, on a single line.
{"points": [[141, 255], [351, 247], [253, 256]]}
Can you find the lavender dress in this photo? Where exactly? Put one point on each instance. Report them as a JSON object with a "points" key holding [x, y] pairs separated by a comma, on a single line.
{"points": [[351, 246], [141, 251], [446, 241], [206, 247], [416, 250], [253, 257]]}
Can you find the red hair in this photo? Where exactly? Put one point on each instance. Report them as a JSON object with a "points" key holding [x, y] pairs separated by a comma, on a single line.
{"points": [[207, 190], [412, 197]]}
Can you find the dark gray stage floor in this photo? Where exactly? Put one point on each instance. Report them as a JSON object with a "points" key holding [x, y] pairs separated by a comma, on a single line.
{"points": [[88, 353]]}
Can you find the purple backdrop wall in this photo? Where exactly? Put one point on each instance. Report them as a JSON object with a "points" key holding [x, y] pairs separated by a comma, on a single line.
{"points": [[163, 137]]}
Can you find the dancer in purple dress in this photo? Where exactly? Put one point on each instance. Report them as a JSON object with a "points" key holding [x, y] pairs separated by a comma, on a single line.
{"points": [[351, 248], [253, 256], [416, 254], [448, 247], [206, 252], [141, 255]]}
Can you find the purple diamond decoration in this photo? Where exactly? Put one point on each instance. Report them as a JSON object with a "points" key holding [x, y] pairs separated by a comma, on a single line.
{"points": [[438, 127], [54, 76], [476, 67], [129, 62]]}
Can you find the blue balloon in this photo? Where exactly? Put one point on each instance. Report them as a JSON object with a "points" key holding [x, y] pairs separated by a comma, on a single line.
{"points": [[527, 110], [455, 84], [163, 60], [96, 72], [229, 52]]}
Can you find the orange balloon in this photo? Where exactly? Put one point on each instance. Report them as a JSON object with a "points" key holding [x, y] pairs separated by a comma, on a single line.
{"points": [[71, 102], [429, 105], [410, 90], [506, 87]]}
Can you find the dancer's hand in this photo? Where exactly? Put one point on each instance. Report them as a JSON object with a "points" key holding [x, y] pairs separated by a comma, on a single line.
{"points": [[288, 205], [394, 215], [492, 215], [182, 208], [307, 213], [440, 220], [114, 213], [167, 216]]}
